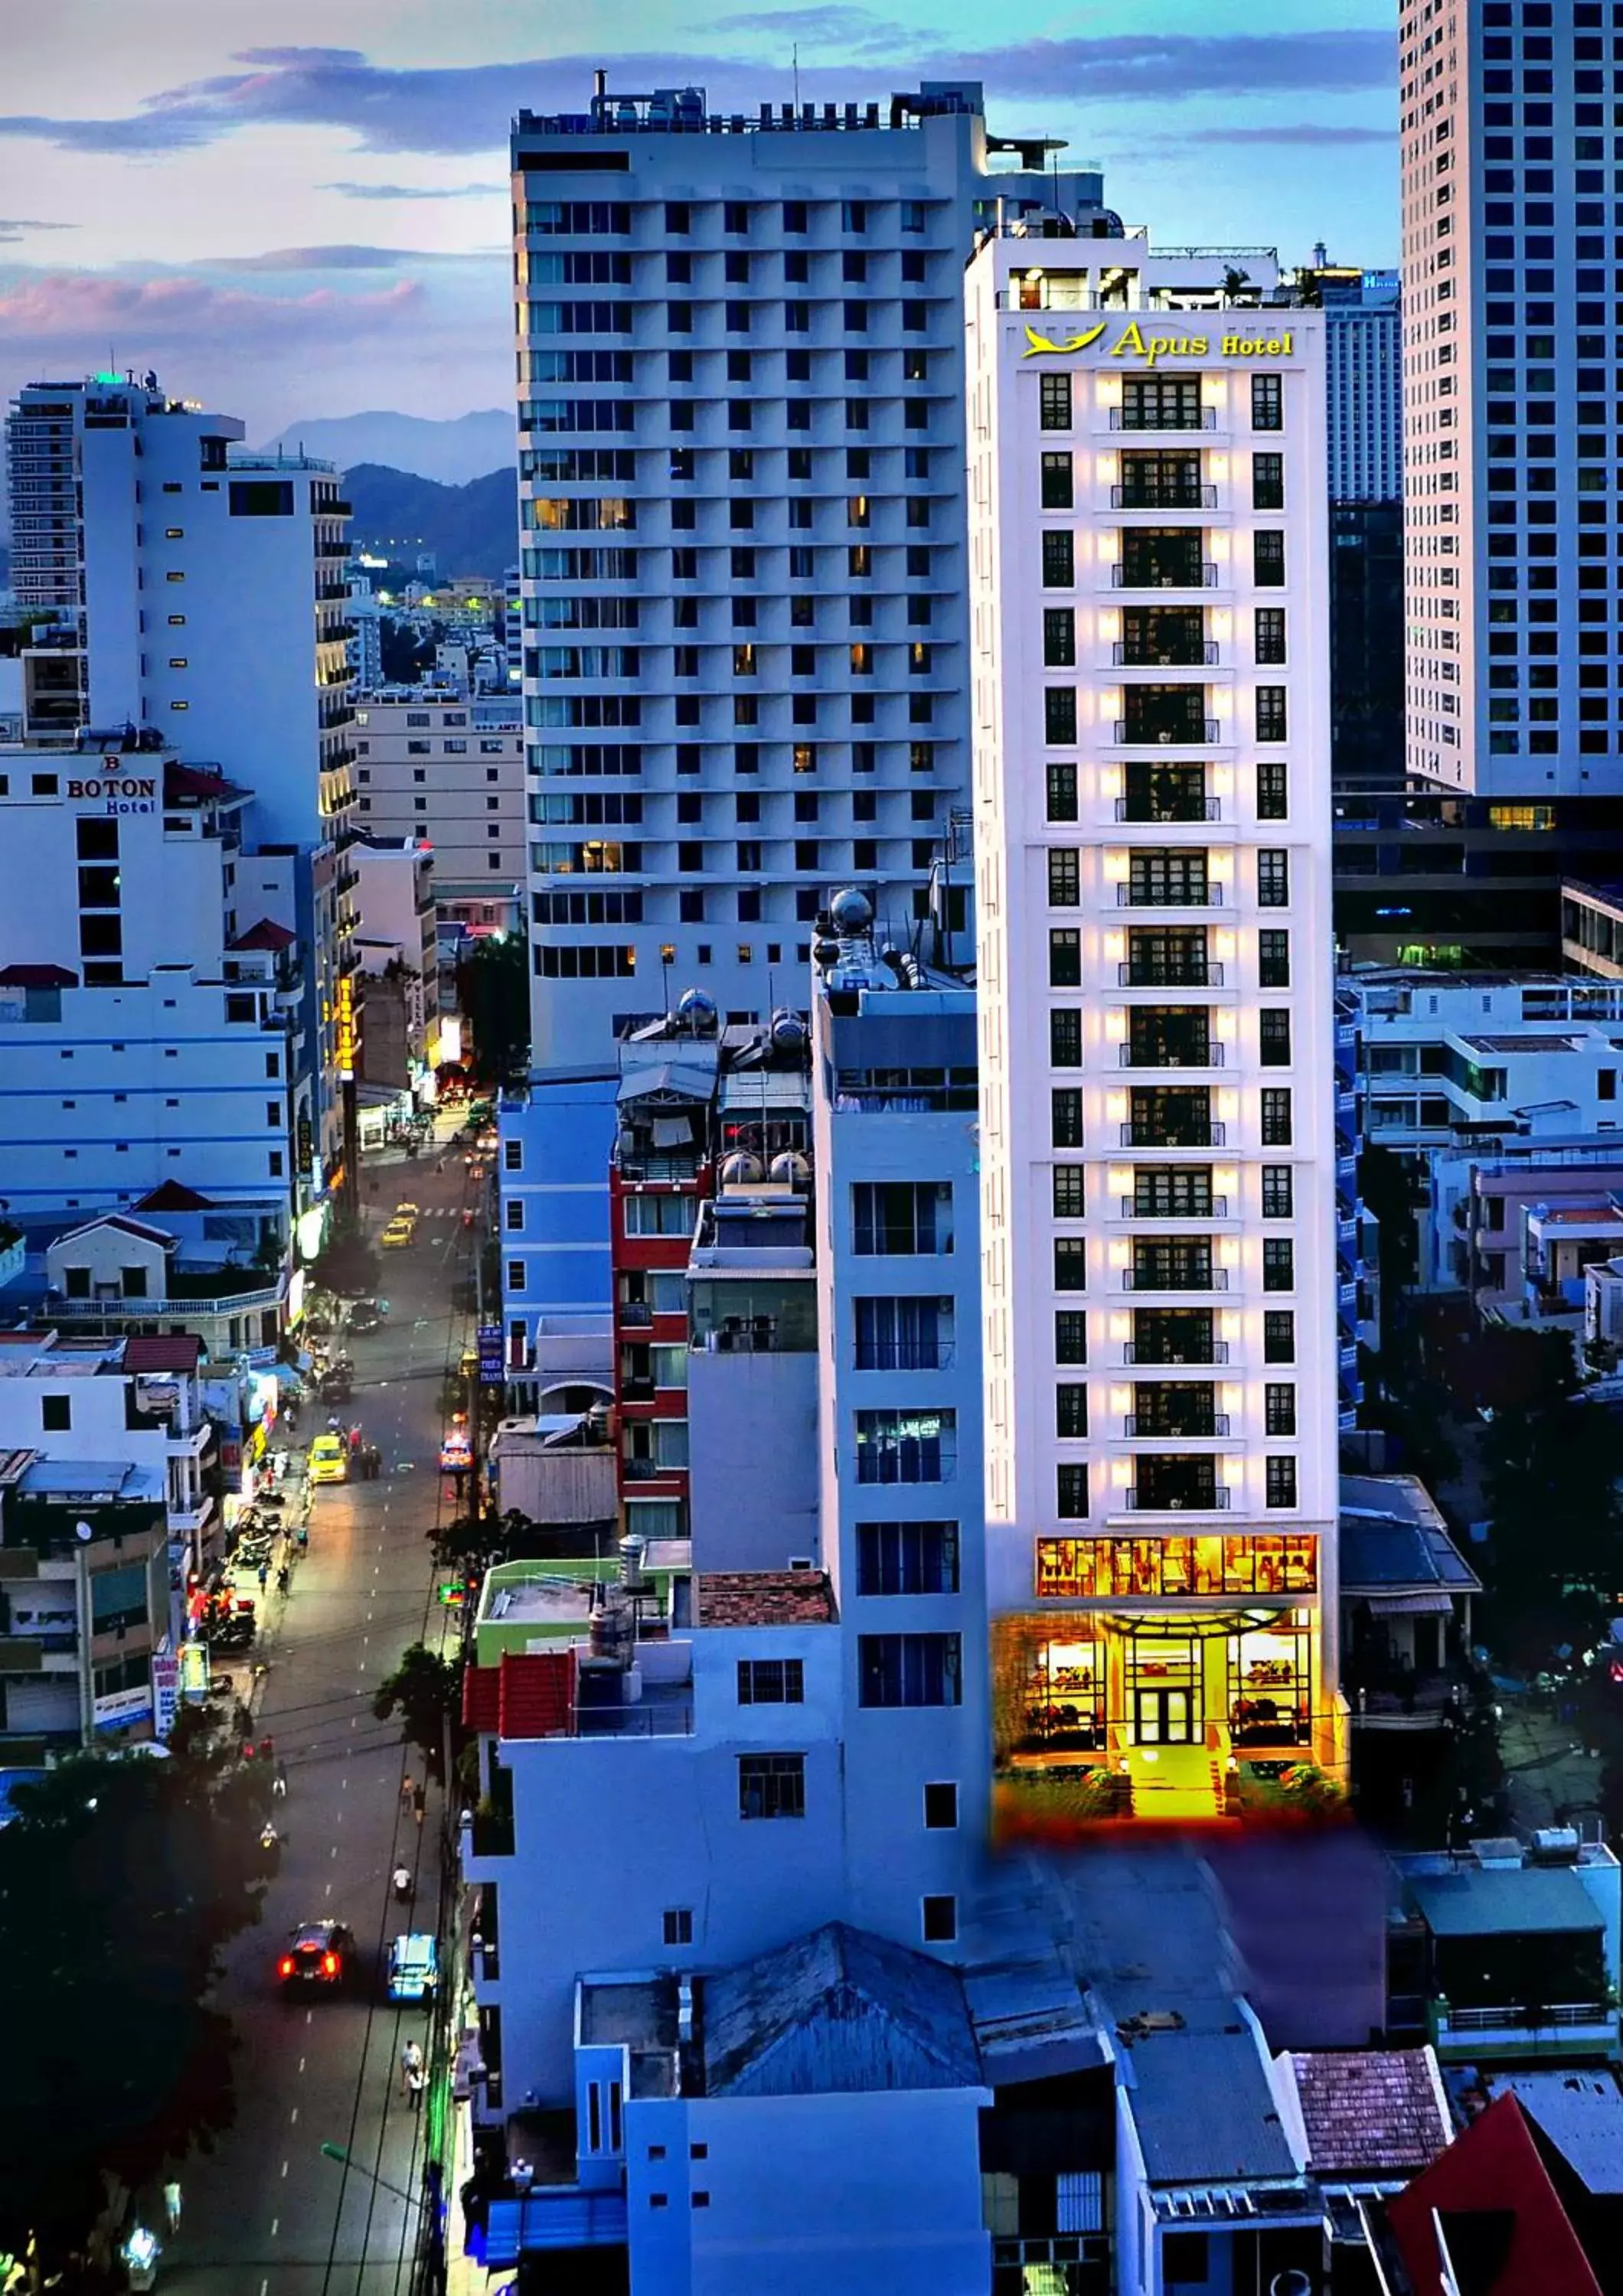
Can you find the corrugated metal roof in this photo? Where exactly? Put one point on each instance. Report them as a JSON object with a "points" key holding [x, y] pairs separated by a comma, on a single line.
{"points": [[558, 2217], [1522, 1900], [1581, 2114], [1381, 1552], [837, 2010], [755, 1088], [1203, 2112]]}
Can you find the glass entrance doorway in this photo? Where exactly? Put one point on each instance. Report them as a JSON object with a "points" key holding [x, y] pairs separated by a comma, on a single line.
{"points": [[1163, 1718]]}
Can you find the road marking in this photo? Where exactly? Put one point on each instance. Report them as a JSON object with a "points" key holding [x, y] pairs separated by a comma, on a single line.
{"points": [[264, 2285], [292, 2116], [284, 2168], [301, 2064], [309, 2016], [276, 2226], [328, 1892]]}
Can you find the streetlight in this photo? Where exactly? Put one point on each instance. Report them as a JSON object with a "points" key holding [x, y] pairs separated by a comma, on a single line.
{"points": [[340, 2153]]}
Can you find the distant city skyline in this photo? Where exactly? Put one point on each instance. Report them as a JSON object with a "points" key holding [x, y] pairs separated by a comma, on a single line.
{"points": [[303, 229]]}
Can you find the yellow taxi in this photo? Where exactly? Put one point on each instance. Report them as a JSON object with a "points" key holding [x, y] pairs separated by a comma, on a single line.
{"points": [[329, 1460], [407, 1209], [399, 1233]]}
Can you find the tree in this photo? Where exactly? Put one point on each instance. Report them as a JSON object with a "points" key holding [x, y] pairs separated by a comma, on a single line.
{"points": [[493, 991], [471, 1544], [346, 1263], [120, 1882], [1552, 1468], [425, 1690]]}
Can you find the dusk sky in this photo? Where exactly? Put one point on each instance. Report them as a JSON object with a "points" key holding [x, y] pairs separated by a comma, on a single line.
{"points": [[287, 227]]}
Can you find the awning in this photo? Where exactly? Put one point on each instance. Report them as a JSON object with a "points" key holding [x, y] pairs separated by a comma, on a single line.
{"points": [[1423, 1604], [558, 2216]]}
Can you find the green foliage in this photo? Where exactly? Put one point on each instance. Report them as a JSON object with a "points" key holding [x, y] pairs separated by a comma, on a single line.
{"points": [[346, 1263], [493, 994], [425, 1690], [120, 1883], [471, 1544], [1551, 1467]]}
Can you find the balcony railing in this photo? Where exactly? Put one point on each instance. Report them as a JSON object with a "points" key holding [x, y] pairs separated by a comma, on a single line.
{"points": [[1132, 653], [1209, 975], [1208, 896], [906, 1355], [635, 1315], [1153, 1354], [649, 1717], [1215, 1207], [1129, 418], [1200, 574], [1207, 1135], [1171, 1056], [1179, 810], [1152, 1430], [1215, 1501], [1148, 1279], [1133, 733], [1170, 494], [1526, 2017]]}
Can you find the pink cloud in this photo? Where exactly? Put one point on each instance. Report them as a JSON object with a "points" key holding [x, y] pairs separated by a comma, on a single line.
{"points": [[60, 307]]}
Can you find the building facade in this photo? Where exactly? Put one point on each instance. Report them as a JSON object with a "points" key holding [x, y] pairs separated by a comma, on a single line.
{"points": [[741, 482], [437, 763], [1511, 435], [1158, 1151]]}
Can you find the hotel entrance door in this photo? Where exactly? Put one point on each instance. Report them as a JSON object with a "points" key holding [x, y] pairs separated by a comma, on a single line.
{"points": [[1163, 1718]]}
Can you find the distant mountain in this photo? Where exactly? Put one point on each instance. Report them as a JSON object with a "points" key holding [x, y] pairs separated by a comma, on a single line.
{"points": [[451, 452], [471, 530]]}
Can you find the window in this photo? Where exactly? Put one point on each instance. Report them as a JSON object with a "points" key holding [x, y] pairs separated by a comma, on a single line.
{"points": [[1060, 714], [1054, 402], [1267, 482], [1070, 1336], [941, 1807], [1064, 877], [1059, 637], [940, 1920], [1065, 1038], [1061, 789], [1276, 1116], [1070, 1411], [1273, 791], [1277, 1193], [906, 1446], [1272, 958], [1278, 1482], [1268, 559], [1070, 1262], [772, 1785], [1057, 492], [55, 1414], [677, 1922], [894, 1219], [1279, 1407], [1273, 878], [1278, 1335], [1070, 1195], [907, 1558], [1059, 547], [1065, 1117], [1279, 1264], [1270, 713], [909, 1669], [1269, 626], [1071, 1490], [1065, 958], [771, 1681], [1267, 402], [1273, 1038]]}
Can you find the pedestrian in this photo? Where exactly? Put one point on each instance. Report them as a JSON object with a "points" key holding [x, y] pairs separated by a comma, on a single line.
{"points": [[264, 1576], [411, 2067], [171, 2206], [285, 1579], [408, 1793], [419, 1802], [355, 1442], [279, 1784], [268, 1748], [301, 1537]]}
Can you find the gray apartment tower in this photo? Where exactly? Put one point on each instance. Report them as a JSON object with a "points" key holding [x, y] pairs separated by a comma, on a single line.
{"points": [[744, 529]]}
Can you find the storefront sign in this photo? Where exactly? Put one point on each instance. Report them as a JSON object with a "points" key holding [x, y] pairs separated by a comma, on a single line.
{"points": [[1147, 350], [193, 1672], [121, 1707], [492, 1370], [166, 1690], [347, 1038], [119, 793]]}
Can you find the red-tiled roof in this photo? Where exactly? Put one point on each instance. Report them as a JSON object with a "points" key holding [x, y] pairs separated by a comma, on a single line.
{"points": [[172, 1196], [266, 934], [164, 1351], [764, 1598], [181, 782], [538, 1694], [1499, 2213], [481, 1698], [37, 976], [1371, 2111]]}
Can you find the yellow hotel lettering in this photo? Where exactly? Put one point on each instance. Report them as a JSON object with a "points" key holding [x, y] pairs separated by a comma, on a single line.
{"points": [[1133, 343]]}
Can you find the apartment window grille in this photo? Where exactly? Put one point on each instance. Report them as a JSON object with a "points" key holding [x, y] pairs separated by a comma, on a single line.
{"points": [[1279, 1264], [1272, 877], [1070, 1336], [772, 1785], [1065, 1038], [1059, 558], [1273, 1038], [1065, 1117], [1277, 1191], [1064, 877], [1276, 1116]]}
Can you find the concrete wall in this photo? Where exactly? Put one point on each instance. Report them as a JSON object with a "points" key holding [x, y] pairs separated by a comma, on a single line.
{"points": [[752, 1481]]}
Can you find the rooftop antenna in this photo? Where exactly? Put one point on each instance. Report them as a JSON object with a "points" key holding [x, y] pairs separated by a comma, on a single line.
{"points": [[795, 55]]}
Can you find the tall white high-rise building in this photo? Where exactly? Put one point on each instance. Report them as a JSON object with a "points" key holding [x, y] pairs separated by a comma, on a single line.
{"points": [[1148, 510], [191, 589], [1509, 343], [741, 463], [1364, 385]]}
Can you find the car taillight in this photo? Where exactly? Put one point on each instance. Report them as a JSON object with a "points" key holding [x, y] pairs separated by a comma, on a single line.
{"points": [[329, 1964], [286, 1969]]}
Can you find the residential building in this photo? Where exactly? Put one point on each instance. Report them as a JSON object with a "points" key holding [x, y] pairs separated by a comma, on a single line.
{"points": [[153, 994], [743, 524], [1363, 381], [557, 1136], [364, 645], [1491, 2196], [189, 591], [1509, 431], [398, 937], [435, 763], [1158, 1147]]}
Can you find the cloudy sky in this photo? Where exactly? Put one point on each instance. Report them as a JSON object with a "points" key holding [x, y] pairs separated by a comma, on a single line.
{"points": [[289, 227]]}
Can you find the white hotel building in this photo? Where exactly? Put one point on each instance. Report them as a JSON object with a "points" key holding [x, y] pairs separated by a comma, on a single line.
{"points": [[1147, 569]]}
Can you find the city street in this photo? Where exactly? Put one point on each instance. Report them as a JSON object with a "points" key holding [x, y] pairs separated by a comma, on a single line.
{"points": [[268, 2214]]}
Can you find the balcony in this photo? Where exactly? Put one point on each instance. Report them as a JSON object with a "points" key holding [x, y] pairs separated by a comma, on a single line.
{"points": [[1156, 1430], [1167, 1355], [1215, 1207], [1577, 2030], [1156, 733], [1165, 494], [1175, 810], [1205, 972], [635, 1315], [1190, 1134], [1150, 654], [1135, 574], [1216, 1498], [1175, 1278], [904, 1355], [1172, 1054], [1132, 418], [1175, 894]]}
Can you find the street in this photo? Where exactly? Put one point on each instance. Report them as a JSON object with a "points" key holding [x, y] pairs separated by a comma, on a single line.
{"points": [[268, 2214]]}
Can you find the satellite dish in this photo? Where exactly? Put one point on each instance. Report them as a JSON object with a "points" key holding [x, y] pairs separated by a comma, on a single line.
{"points": [[82, 1532]]}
